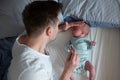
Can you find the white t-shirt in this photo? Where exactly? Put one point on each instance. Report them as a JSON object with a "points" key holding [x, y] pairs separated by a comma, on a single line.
{"points": [[28, 64]]}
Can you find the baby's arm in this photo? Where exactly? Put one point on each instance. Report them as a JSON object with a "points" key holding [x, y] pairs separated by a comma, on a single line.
{"points": [[90, 44]]}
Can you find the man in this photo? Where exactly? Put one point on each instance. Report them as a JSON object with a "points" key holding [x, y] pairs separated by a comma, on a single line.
{"points": [[30, 59]]}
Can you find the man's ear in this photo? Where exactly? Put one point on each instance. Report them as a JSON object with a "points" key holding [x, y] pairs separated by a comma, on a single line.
{"points": [[48, 31]]}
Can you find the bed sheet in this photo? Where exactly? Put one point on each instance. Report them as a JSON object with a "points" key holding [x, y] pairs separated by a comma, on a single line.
{"points": [[98, 13], [105, 56]]}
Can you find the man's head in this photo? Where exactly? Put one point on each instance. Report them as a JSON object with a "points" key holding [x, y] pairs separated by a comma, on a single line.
{"points": [[42, 17], [81, 31]]}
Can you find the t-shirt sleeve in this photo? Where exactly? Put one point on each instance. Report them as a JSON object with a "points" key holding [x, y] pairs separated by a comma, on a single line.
{"points": [[34, 74]]}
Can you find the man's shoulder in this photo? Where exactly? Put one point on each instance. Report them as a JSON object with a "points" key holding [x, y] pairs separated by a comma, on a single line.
{"points": [[27, 55]]}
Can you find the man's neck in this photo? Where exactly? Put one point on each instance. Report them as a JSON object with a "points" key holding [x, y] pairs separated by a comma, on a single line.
{"points": [[37, 44]]}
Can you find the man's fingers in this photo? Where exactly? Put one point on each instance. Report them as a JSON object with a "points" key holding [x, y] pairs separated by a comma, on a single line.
{"points": [[74, 57], [69, 56], [74, 54], [79, 23], [66, 23], [77, 59]]}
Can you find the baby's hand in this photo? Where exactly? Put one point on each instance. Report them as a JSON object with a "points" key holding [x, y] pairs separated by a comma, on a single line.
{"points": [[93, 43]]}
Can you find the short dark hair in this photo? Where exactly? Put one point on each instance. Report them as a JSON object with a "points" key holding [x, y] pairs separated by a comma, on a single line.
{"points": [[39, 14]]}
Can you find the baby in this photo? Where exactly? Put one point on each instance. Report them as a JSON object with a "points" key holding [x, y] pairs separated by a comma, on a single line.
{"points": [[83, 47]]}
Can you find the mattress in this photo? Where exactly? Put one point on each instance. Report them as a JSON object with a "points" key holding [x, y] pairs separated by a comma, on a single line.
{"points": [[105, 56]]}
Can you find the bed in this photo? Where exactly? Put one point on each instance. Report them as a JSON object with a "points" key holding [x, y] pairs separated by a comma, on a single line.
{"points": [[105, 30], [104, 18], [105, 55]]}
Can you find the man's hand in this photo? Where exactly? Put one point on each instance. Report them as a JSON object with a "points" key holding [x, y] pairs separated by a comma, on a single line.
{"points": [[71, 62], [65, 26]]}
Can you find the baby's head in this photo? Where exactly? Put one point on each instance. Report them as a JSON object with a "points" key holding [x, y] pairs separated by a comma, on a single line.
{"points": [[81, 31]]}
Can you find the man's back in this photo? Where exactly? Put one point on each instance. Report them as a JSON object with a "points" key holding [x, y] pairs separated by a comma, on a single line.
{"points": [[28, 64]]}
